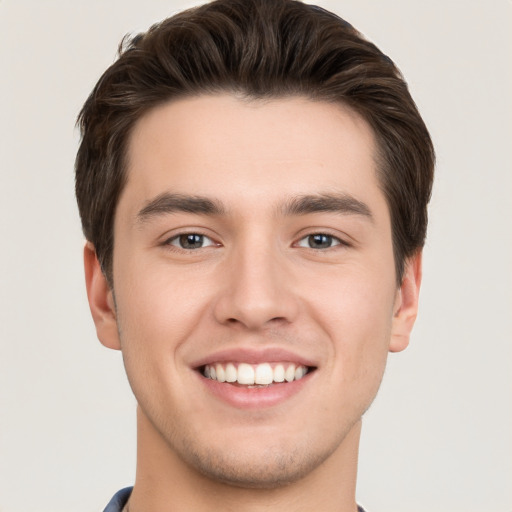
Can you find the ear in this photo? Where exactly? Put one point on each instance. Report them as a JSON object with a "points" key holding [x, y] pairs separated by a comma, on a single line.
{"points": [[406, 304], [101, 300]]}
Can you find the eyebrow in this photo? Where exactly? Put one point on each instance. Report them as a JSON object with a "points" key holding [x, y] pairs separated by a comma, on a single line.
{"points": [[336, 203], [167, 203]]}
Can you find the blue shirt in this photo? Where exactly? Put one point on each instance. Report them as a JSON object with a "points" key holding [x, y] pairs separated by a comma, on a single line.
{"points": [[119, 500]]}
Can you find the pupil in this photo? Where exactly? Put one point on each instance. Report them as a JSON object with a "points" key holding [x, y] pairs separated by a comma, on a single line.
{"points": [[191, 241], [320, 241]]}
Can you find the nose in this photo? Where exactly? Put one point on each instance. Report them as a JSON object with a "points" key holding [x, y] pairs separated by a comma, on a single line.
{"points": [[256, 290]]}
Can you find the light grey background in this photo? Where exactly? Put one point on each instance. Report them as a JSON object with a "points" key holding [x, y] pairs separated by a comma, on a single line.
{"points": [[438, 437]]}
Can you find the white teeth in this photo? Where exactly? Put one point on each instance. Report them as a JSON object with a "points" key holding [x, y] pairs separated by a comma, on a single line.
{"points": [[261, 374], [289, 374], [245, 374], [279, 373], [230, 372], [299, 373], [221, 374]]}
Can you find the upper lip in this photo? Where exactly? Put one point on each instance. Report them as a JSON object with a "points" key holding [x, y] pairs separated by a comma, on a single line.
{"points": [[253, 356]]}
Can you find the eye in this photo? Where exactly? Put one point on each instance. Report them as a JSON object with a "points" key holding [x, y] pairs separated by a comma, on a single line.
{"points": [[190, 241], [319, 241]]}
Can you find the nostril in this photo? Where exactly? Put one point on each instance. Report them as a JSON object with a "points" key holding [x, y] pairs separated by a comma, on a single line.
{"points": [[278, 319]]}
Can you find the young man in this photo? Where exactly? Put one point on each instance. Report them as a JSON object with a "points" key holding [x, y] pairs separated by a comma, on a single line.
{"points": [[252, 180]]}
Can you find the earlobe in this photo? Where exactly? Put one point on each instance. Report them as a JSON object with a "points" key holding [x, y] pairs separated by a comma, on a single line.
{"points": [[101, 300], [406, 304]]}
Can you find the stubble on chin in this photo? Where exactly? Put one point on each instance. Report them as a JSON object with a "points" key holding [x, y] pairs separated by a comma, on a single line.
{"points": [[268, 469]]}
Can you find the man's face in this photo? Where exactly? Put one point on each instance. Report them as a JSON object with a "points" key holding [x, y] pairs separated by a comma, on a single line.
{"points": [[252, 241]]}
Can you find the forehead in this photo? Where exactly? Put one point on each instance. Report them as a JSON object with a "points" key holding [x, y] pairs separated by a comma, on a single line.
{"points": [[257, 150]]}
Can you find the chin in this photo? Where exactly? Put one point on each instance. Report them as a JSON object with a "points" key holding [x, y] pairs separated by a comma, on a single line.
{"points": [[260, 458], [270, 468]]}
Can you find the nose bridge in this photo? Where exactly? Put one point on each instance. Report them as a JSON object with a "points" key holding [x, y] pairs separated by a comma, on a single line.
{"points": [[256, 288]]}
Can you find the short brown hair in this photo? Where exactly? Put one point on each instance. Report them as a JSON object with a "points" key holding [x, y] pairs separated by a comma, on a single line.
{"points": [[257, 49]]}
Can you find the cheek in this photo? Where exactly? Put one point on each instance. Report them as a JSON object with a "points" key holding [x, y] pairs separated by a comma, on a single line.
{"points": [[356, 311], [159, 305], [156, 314], [159, 312]]}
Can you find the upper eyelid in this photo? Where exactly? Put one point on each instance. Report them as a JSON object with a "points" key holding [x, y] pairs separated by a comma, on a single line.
{"points": [[177, 232], [342, 237], [184, 233]]}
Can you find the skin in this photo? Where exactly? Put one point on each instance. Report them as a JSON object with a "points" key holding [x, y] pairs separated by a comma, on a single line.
{"points": [[255, 284]]}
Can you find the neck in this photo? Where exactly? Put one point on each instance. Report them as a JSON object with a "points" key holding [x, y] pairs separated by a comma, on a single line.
{"points": [[165, 483]]}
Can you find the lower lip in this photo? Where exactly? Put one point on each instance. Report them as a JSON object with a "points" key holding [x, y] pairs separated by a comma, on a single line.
{"points": [[244, 397]]}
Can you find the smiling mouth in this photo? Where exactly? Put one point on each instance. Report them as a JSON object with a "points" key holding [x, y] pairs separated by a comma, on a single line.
{"points": [[255, 375]]}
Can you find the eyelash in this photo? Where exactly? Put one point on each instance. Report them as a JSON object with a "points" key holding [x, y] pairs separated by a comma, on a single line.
{"points": [[179, 240], [335, 241]]}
